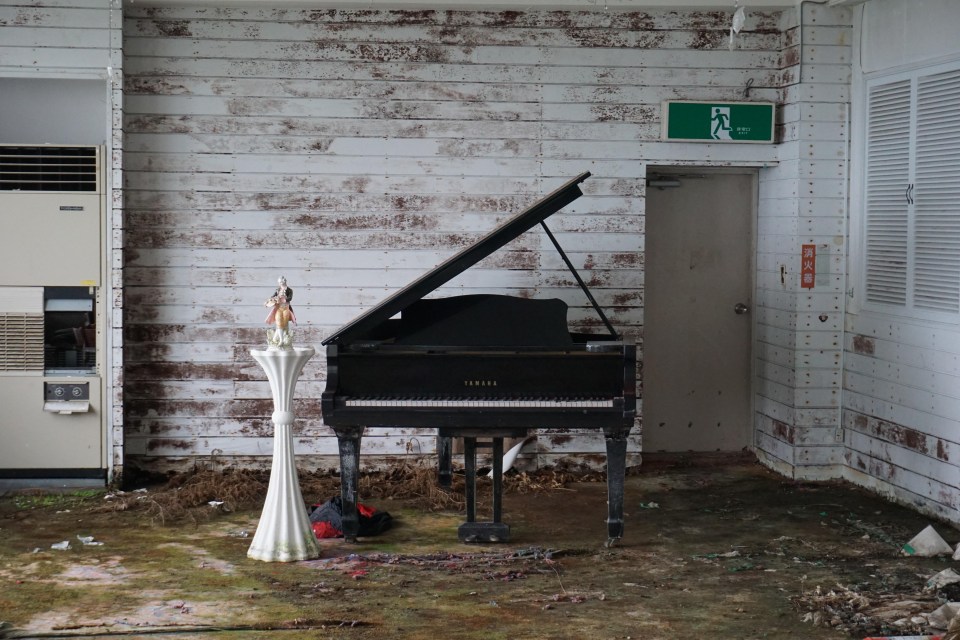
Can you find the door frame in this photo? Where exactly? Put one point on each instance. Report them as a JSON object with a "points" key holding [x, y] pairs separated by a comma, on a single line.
{"points": [[691, 172]]}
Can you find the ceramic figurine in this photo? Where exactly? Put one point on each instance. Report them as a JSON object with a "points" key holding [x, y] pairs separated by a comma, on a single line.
{"points": [[280, 316]]}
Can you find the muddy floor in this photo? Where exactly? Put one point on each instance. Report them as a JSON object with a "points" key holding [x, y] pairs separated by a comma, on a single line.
{"points": [[710, 551]]}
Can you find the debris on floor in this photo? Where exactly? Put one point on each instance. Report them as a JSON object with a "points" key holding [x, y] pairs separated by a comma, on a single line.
{"points": [[927, 544], [731, 551]]}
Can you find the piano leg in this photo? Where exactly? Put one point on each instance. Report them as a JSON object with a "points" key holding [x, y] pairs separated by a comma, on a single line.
{"points": [[497, 479], [616, 472], [470, 477], [444, 461], [348, 440]]}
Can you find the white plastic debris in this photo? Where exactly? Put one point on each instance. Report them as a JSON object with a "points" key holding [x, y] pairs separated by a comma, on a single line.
{"points": [[215, 503], [739, 17], [942, 579], [927, 544], [61, 546], [511, 456], [88, 541], [940, 618]]}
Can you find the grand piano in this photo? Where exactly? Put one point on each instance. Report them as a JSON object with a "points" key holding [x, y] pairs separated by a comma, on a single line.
{"points": [[480, 366]]}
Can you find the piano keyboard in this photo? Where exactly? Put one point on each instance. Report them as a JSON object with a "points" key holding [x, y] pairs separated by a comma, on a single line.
{"points": [[500, 403]]}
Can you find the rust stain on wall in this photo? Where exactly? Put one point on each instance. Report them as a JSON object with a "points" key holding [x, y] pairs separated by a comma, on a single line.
{"points": [[356, 184], [369, 52], [942, 452], [627, 298], [863, 345], [784, 431], [153, 86], [707, 39], [186, 371], [790, 57], [895, 433], [625, 260], [173, 28], [155, 443], [246, 106], [623, 112], [27, 17]]}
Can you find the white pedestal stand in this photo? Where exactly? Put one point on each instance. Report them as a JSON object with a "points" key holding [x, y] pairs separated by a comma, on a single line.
{"points": [[284, 533]]}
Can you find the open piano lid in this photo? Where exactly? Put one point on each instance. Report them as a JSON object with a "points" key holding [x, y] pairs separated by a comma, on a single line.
{"points": [[463, 260]]}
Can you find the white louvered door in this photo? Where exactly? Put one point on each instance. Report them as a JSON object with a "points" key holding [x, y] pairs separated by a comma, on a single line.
{"points": [[936, 197], [888, 177], [912, 193]]}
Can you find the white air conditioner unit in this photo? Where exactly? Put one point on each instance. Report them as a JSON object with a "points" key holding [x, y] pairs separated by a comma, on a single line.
{"points": [[52, 200]]}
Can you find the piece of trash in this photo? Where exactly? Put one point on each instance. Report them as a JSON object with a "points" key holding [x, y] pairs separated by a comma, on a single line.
{"points": [[88, 541], [243, 533], [649, 505], [927, 544], [942, 579], [736, 26], [61, 546], [139, 490], [903, 638], [215, 503], [941, 618], [511, 456]]}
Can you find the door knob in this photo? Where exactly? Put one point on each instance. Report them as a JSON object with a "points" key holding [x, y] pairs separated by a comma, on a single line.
{"points": [[740, 308]]}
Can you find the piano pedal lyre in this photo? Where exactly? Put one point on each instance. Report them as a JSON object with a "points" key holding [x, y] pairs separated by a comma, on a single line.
{"points": [[495, 530]]}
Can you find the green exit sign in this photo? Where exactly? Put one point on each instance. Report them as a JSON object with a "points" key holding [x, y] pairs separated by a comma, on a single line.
{"points": [[718, 121]]}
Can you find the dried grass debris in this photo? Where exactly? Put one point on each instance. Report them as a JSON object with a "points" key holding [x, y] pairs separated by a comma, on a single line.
{"points": [[198, 494]]}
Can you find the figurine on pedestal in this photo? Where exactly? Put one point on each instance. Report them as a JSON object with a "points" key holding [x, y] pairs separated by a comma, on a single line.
{"points": [[280, 316], [284, 533]]}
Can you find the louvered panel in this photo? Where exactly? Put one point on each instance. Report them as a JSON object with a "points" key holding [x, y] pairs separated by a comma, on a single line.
{"points": [[888, 151], [936, 275], [21, 341], [48, 168]]}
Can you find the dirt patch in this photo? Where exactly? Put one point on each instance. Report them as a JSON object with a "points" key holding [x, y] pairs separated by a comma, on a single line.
{"points": [[730, 551]]}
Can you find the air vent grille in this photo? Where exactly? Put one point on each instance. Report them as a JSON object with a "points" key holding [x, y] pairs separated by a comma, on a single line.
{"points": [[21, 342], [48, 168]]}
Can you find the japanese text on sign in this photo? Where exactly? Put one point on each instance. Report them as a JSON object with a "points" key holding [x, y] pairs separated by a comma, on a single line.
{"points": [[808, 265]]}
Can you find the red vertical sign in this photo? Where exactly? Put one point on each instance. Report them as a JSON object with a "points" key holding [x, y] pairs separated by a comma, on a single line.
{"points": [[808, 265]]}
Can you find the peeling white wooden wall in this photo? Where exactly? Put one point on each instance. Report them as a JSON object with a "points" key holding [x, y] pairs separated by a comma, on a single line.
{"points": [[803, 201], [353, 150], [901, 375]]}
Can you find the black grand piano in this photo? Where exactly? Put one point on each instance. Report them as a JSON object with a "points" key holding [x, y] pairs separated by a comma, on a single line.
{"points": [[480, 366]]}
